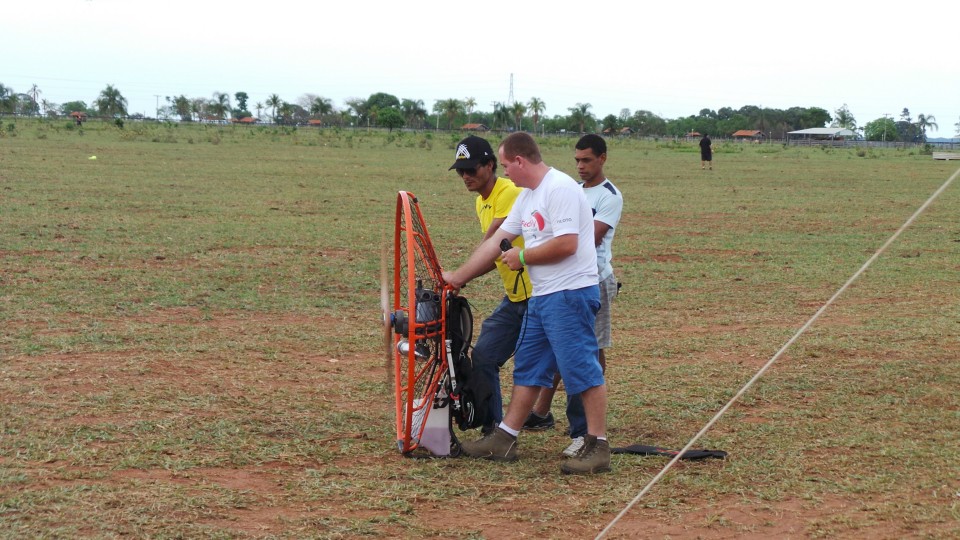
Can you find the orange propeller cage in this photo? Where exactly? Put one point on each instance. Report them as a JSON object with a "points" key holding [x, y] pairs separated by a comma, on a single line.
{"points": [[415, 267]]}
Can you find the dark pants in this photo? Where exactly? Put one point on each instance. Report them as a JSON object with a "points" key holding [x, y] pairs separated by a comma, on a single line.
{"points": [[576, 416], [497, 341]]}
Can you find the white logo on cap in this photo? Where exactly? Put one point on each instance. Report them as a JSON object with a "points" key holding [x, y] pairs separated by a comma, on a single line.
{"points": [[462, 152]]}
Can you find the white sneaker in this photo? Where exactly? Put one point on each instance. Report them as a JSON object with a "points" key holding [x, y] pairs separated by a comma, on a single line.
{"points": [[574, 447]]}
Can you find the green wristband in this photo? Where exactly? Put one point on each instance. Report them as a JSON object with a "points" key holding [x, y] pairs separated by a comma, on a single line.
{"points": [[522, 262]]}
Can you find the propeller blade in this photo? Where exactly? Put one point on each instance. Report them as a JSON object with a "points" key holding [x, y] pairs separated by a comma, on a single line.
{"points": [[386, 309]]}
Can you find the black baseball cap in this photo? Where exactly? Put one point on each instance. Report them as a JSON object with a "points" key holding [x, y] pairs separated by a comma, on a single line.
{"points": [[471, 152]]}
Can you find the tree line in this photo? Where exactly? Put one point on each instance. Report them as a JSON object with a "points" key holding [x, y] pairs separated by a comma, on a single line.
{"points": [[387, 111]]}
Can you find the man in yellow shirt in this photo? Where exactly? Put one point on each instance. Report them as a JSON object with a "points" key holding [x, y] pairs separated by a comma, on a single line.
{"points": [[476, 163]]}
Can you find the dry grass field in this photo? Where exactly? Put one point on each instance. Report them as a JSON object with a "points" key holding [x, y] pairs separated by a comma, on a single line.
{"points": [[191, 342]]}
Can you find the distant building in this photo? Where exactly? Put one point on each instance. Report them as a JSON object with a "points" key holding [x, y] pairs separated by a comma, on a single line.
{"points": [[748, 135], [622, 131], [474, 127], [822, 134]]}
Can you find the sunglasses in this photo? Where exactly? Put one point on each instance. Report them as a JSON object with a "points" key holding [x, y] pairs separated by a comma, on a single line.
{"points": [[472, 171]]}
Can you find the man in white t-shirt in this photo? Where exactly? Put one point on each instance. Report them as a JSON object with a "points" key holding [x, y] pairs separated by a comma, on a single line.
{"points": [[606, 201], [555, 219]]}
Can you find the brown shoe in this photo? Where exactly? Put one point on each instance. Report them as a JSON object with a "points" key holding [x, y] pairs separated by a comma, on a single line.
{"points": [[497, 445], [593, 458]]}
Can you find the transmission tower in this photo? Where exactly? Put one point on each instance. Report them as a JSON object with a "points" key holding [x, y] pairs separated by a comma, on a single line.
{"points": [[510, 99]]}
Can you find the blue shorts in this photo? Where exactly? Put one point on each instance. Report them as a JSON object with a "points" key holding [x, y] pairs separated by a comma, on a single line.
{"points": [[557, 335]]}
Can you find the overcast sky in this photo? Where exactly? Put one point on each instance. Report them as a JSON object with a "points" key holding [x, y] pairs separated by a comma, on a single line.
{"points": [[671, 58]]}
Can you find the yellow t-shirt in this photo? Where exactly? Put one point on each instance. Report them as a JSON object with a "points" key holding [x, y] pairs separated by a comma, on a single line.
{"points": [[498, 205]]}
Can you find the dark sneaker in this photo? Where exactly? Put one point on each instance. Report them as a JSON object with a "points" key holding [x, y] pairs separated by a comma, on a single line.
{"points": [[497, 446], [535, 422], [593, 458]]}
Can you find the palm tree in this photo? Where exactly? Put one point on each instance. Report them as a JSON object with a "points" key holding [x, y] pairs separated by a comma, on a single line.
{"points": [[926, 121], [199, 107], [469, 104], [11, 103], [259, 108], [845, 118], [220, 105], [321, 106], [111, 102], [182, 107], [413, 111], [34, 92], [7, 99], [420, 113], [581, 114], [501, 114], [286, 112], [49, 108], [360, 108], [518, 110], [274, 102], [536, 106], [451, 108]]}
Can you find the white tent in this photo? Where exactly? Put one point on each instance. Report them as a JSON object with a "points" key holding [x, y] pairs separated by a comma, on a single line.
{"points": [[820, 133]]}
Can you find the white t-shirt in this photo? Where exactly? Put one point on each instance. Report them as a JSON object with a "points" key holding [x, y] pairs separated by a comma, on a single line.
{"points": [[557, 207], [607, 204]]}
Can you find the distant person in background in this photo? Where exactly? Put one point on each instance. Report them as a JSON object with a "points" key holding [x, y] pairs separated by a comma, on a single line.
{"points": [[706, 152]]}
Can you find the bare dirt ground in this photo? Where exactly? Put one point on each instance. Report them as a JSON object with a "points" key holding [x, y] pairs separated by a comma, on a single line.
{"points": [[122, 391]]}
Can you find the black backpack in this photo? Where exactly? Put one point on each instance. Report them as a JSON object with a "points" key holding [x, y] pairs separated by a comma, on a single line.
{"points": [[474, 391]]}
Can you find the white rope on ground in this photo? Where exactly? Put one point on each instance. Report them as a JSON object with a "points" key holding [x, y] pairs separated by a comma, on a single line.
{"points": [[776, 356]]}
